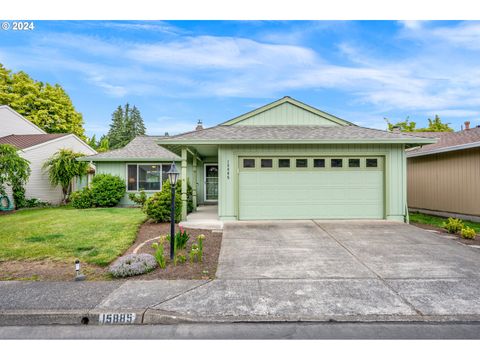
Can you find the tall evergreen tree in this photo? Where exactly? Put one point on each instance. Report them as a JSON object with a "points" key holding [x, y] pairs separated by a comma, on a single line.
{"points": [[127, 123], [47, 106]]}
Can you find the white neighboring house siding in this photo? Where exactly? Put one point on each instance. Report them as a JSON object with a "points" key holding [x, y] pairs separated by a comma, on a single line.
{"points": [[38, 185], [12, 123]]}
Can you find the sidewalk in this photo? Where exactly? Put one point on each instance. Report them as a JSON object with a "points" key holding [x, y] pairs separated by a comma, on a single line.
{"points": [[187, 301]]}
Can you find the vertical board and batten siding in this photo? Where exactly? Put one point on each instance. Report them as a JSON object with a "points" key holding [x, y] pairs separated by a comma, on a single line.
{"points": [[395, 191], [445, 182], [119, 168], [286, 114]]}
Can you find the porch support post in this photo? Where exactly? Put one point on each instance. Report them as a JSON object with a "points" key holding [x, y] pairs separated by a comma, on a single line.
{"points": [[184, 183], [194, 183]]}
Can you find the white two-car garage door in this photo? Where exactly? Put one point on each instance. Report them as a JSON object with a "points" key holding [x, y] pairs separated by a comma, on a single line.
{"points": [[311, 188]]}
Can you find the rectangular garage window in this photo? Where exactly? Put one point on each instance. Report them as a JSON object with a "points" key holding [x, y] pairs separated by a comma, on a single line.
{"points": [[283, 163], [354, 163], [372, 163], [249, 163], [319, 163], [266, 163], [301, 163], [336, 163]]}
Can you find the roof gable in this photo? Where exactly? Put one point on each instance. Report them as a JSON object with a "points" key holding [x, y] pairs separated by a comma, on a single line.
{"points": [[11, 122], [287, 111]]}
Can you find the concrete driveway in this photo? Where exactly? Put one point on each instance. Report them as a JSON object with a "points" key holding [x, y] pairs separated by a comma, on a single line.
{"points": [[341, 249]]}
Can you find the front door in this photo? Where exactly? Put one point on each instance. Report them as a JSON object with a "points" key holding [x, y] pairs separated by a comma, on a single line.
{"points": [[211, 182]]}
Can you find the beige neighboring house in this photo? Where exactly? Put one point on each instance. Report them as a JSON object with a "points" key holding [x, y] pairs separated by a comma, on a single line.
{"points": [[37, 146], [444, 178]]}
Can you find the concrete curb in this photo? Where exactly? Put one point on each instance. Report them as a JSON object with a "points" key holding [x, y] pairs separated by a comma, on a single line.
{"points": [[160, 317]]}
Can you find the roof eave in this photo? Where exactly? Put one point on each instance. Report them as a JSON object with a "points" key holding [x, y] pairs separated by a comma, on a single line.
{"points": [[124, 159], [444, 149], [313, 141]]}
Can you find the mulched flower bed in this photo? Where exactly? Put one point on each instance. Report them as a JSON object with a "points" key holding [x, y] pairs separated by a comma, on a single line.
{"points": [[49, 270], [201, 270], [458, 238]]}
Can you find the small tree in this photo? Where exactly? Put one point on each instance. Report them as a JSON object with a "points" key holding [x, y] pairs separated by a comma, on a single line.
{"points": [[62, 168], [404, 126], [14, 172]]}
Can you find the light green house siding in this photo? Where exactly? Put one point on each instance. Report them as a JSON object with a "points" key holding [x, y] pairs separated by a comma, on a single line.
{"points": [[392, 190], [286, 114], [119, 168]]}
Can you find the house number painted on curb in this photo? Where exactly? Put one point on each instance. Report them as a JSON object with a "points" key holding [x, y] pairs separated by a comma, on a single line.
{"points": [[120, 318]]}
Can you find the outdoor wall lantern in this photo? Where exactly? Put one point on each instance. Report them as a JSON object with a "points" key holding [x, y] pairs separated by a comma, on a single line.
{"points": [[172, 177]]}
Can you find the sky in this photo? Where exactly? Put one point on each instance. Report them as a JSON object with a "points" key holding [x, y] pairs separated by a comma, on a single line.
{"points": [[177, 72]]}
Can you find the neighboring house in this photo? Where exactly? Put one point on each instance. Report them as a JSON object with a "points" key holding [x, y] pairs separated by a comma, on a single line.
{"points": [[285, 160], [37, 146], [444, 178], [142, 164]]}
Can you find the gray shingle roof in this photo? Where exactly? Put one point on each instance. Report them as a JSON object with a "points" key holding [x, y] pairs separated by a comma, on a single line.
{"points": [[449, 141], [140, 148], [292, 133]]}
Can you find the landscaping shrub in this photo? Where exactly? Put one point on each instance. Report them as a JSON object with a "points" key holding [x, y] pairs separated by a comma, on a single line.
{"points": [[196, 253], [453, 226], [468, 233], [82, 199], [139, 198], [157, 206], [33, 202], [133, 264], [107, 190]]}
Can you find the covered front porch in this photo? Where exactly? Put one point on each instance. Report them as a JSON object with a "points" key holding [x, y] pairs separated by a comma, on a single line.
{"points": [[199, 168]]}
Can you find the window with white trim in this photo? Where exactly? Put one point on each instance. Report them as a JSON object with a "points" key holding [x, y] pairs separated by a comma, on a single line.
{"points": [[147, 177]]}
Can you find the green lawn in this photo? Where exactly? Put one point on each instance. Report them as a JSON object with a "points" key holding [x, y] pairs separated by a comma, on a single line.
{"points": [[95, 236], [437, 221]]}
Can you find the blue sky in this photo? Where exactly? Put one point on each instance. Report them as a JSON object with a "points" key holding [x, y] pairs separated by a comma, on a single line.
{"points": [[177, 72]]}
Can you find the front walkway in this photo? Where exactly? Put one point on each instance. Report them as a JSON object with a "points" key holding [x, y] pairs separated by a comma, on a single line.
{"points": [[206, 217]]}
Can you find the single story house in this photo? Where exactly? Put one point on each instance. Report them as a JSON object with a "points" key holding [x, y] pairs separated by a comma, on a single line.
{"points": [[142, 164], [37, 146], [284, 160], [444, 178]]}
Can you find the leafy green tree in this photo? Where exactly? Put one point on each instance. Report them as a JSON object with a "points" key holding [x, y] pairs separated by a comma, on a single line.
{"points": [[435, 125], [92, 142], [127, 123], [14, 172], [48, 106], [404, 126], [62, 168], [103, 144]]}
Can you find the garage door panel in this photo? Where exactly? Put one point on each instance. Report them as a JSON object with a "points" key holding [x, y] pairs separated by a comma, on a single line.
{"points": [[302, 194]]}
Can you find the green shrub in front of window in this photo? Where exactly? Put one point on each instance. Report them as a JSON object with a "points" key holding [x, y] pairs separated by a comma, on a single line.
{"points": [[107, 190], [157, 206], [139, 198]]}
